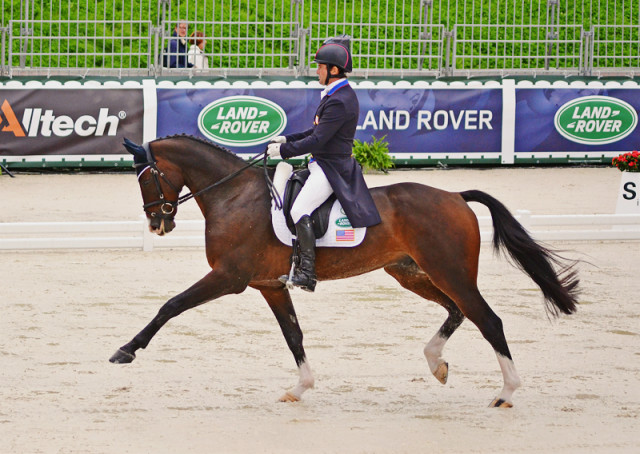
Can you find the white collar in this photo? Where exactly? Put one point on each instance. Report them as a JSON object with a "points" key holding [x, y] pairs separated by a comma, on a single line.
{"points": [[330, 89]]}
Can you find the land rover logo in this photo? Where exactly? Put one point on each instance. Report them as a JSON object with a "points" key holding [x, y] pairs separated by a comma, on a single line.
{"points": [[343, 222], [596, 120], [241, 121]]}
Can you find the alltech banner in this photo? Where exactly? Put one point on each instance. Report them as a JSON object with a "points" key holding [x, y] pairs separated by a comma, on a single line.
{"points": [[68, 122]]}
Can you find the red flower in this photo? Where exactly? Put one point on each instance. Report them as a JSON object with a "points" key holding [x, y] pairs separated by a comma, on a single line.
{"points": [[627, 162]]}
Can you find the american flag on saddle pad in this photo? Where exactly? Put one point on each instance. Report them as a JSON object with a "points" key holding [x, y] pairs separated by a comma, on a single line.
{"points": [[346, 235]]}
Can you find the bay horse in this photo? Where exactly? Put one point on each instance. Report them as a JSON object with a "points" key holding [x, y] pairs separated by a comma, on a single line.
{"points": [[429, 241]]}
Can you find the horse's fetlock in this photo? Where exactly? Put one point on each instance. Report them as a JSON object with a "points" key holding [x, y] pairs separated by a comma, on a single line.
{"points": [[307, 382]]}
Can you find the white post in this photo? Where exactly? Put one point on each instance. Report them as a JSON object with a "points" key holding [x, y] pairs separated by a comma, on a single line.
{"points": [[508, 121], [147, 236]]}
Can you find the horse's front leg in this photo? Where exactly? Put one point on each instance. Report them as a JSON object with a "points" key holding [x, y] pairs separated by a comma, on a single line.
{"points": [[215, 284], [279, 301]]}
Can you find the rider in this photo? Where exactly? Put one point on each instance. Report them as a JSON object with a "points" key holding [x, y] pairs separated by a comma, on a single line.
{"points": [[332, 166]]}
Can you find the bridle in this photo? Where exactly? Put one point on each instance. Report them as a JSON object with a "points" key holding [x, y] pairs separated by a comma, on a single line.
{"points": [[168, 207]]}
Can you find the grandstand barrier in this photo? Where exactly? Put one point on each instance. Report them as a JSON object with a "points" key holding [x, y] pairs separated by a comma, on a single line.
{"points": [[80, 124]]}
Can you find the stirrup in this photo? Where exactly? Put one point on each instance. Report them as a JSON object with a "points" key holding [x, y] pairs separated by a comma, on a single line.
{"points": [[289, 282], [287, 279]]}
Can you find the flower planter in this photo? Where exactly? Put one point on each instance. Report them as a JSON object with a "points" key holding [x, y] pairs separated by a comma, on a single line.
{"points": [[629, 194]]}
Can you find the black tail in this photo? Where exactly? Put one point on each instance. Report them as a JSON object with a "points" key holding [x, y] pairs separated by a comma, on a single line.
{"points": [[560, 289]]}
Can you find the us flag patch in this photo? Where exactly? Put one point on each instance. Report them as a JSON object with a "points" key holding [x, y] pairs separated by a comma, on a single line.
{"points": [[345, 235]]}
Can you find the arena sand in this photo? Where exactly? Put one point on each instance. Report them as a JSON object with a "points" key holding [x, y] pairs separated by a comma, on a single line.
{"points": [[209, 381]]}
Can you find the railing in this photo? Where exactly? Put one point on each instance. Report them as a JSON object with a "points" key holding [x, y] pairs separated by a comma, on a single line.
{"points": [[615, 49], [136, 235], [279, 37], [517, 49], [99, 47]]}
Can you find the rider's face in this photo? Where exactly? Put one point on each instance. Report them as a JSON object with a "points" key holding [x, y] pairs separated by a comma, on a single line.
{"points": [[322, 73]]}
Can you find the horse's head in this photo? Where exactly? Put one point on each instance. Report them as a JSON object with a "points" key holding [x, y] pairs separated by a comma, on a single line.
{"points": [[160, 184]]}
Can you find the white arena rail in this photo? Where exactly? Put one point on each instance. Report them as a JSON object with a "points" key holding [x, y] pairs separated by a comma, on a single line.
{"points": [[97, 235], [135, 234]]}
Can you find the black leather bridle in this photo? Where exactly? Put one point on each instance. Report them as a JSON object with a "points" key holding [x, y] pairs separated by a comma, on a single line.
{"points": [[168, 207]]}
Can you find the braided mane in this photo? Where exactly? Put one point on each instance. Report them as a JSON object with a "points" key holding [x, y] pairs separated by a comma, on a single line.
{"points": [[203, 141]]}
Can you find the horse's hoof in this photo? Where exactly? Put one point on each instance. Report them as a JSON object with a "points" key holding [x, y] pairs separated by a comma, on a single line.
{"points": [[500, 403], [122, 357], [442, 372], [288, 397]]}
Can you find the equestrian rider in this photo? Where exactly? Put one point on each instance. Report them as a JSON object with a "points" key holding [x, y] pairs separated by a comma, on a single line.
{"points": [[332, 166]]}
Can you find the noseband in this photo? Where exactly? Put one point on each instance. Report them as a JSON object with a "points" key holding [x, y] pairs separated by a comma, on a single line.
{"points": [[167, 207]]}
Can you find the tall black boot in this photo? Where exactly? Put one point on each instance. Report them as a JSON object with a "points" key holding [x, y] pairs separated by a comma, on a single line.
{"points": [[304, 275]]}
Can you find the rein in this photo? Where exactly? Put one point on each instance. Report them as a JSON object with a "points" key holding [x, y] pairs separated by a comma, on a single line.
{"points": [[169, 207], [251, 163]]}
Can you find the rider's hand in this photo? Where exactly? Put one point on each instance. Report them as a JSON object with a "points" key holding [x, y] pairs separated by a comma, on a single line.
{"points": [[273, 150], [279, 139]]}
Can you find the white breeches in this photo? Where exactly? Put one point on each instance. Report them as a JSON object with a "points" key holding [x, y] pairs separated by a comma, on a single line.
{"points": [[314, 192]]}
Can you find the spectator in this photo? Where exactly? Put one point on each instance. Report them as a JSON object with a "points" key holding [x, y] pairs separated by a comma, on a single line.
{"points": [[197, 58], [175, 55]]}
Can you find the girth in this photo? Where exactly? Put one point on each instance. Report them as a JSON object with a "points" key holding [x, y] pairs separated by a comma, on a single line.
{"points": [[319, 218]]}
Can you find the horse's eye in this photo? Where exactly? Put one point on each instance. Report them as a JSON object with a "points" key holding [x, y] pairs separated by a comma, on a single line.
{"points": [[145, 182]]}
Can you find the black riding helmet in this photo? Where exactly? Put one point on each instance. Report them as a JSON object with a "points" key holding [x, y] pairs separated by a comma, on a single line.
{"points": [[336, 52]]}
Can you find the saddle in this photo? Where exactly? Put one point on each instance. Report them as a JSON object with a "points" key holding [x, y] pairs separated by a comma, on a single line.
{"points": [[319, 218], [331, 226]]}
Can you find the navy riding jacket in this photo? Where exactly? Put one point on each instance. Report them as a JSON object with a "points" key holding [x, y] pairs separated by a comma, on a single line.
{"points": [[330, 141]]}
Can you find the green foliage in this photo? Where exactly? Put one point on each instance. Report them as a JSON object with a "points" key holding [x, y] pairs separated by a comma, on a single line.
{"points": [[373, 155]]}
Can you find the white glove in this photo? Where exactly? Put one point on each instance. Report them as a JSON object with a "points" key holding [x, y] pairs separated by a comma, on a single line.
{"points": [[279, 139], [273, 150]]}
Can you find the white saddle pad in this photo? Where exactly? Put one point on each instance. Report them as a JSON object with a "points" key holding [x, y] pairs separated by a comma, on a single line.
{"points": [[339, 233]]}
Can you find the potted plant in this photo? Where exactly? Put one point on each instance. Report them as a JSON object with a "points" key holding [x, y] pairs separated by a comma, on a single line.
{"points": [[629, 193], [374, 155]]}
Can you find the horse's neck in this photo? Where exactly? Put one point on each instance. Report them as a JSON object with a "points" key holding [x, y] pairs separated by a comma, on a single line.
{"points": [[206, 173], [209, 177]]}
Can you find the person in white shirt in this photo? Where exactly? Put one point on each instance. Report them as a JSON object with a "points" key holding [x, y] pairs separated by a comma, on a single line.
{"points": [[196, 53]]}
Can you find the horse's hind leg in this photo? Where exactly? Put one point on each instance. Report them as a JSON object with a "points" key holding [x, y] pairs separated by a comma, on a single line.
{"points": [[411, 277], [279, 301], [462, 289]]}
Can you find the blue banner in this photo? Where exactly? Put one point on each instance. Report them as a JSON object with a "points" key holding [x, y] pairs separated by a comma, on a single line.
{"points": [[433, 121], [414, 121], [180, 109], [569, 120]]}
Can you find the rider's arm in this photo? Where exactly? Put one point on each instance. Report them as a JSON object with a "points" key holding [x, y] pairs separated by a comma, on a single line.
{"points": [[329, 124]]}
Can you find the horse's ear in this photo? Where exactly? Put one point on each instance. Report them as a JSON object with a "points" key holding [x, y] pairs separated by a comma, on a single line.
{"points": [[138, 152]]}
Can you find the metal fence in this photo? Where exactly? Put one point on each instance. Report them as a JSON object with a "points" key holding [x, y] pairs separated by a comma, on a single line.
{"points": [[279, 37]]}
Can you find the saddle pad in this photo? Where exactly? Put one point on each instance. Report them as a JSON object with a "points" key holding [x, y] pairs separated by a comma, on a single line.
{"points": [[339, 233]]}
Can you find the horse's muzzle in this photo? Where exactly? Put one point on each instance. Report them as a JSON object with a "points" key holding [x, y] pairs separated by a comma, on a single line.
{"points": [[161, 226]]}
